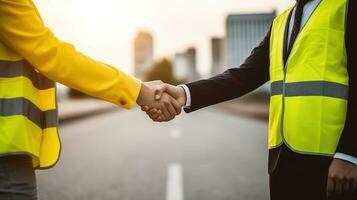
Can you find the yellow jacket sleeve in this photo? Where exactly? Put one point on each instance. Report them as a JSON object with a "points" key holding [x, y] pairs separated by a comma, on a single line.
{"points": [[22, 30]]}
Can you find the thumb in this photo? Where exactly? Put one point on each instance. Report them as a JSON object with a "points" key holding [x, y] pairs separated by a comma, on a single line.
{"points": [[160, 90]]}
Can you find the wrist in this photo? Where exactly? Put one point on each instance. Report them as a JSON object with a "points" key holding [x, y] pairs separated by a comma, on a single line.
{"points": [[143, 89], [182, 94]]}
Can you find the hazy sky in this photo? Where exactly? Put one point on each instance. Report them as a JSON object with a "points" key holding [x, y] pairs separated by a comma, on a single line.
{"points": [[106, 29]]}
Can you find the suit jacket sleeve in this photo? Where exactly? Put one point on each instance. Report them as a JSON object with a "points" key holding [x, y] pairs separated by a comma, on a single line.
{"points": [[23, 32], [234, 82], [348, 141]]}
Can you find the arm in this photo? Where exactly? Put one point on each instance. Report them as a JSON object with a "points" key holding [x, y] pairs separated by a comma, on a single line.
{"points": [[342, 177], [233, 83], [348, 141], [22, 31]]}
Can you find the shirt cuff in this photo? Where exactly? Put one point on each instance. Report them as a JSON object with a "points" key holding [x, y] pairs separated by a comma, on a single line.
{"points": [[188, 96], [346, 157]]}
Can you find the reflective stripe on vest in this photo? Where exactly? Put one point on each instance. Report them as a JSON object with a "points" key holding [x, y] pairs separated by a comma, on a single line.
{"points": [[309, 94], [28, 114], [310, 88]]}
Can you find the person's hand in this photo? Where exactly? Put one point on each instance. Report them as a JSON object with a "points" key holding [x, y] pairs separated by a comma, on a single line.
{"points": [[161, 91], [168, 106], [147, 92], [342, 180]]}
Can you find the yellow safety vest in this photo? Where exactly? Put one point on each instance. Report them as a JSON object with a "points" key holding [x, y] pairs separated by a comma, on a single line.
{"points": [[309, 94], [28, 111]]}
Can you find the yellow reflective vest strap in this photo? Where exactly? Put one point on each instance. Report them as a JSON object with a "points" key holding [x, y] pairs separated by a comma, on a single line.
{"points": [[309, 93], [28, 113]]}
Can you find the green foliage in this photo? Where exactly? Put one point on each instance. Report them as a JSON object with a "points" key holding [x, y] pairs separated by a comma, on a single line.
{"points": [[163, 70]]}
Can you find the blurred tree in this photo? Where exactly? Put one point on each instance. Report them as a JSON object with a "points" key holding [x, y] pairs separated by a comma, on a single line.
{"points": [[163, 70]]}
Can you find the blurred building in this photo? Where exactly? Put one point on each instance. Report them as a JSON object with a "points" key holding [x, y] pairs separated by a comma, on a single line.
{"points": [[244, 32], [185, 65], [218, 55], [143, 54]]}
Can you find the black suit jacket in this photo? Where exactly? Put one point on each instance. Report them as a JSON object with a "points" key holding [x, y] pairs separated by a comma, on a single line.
{"points": [[254, 72]]}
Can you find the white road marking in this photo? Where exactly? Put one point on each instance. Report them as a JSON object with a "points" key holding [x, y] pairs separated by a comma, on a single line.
{"points": [[174, 187], [176, 132]]}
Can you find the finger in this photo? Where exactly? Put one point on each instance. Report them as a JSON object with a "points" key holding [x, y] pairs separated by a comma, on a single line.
{"points": [[168, 109], [354, 189], [351, 186], [330, 187], [145, 108], [172, 111], [154, 114], [346, 185], [160, 116], [354, 185], [160, 119], [338, 187], [165, 113], [159, 112], [177, 106], [160, 90]]}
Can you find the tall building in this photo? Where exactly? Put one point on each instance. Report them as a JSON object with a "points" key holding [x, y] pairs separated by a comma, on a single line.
{"points": [[218, 55], [185, 65], [244, 32], [143, 54]]}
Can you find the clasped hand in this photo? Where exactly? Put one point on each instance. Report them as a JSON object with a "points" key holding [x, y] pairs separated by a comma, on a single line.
{"points": [[162, 102]]}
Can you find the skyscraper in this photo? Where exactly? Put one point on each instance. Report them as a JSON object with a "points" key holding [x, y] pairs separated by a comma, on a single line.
{"points": [[244, 32], [185, 65], [218, 55], [143, 54]]}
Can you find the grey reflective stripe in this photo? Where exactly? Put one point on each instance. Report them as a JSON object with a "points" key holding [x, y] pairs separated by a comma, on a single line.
{"points": [[11, 69], [22, 106], [310, 88], [277, 88]]}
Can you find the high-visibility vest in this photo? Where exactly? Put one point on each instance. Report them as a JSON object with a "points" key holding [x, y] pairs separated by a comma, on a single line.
{"points": [[309, 93], [28, 111]]}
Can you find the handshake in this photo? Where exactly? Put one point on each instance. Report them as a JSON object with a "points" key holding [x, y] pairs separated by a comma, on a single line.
{"points": [[162, 102]]}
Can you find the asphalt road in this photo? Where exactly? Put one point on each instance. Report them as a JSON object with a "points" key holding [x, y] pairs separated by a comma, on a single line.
{"points": [[207, 155]]}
